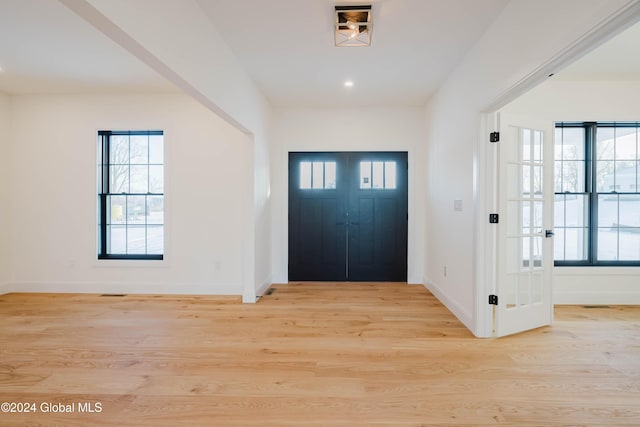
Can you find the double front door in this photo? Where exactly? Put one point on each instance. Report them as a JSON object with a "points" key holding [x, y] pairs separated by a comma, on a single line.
{"points": [[348, 216]]}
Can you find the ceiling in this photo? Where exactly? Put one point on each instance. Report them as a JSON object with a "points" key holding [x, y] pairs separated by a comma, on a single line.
{"points": [[616, 60], [46, 48], [286, 46]]}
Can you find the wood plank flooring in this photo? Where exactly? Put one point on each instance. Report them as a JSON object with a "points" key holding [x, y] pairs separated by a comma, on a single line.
{"points": [[353, 354]]}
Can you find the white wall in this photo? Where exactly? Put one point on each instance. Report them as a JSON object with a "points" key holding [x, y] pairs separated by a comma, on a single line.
{"points": [[587, 101], [53, 193], [4, 192], [176, 39], [361, 129], [524, 37]]}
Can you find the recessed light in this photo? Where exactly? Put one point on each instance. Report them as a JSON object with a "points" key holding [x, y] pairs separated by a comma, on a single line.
{"points": [[348, 83]]}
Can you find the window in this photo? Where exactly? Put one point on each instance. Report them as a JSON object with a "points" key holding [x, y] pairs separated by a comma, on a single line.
{"points": [[597, 193], [131, 195], [378, 175], [318, 175]]}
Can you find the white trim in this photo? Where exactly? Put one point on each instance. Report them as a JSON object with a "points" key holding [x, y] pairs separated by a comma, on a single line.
{"points": [[597, 298], [5, 288], [249, 219], [266, 284], [485, 176], [611, 26], [155, 288], [464, 316], [577, 271]]}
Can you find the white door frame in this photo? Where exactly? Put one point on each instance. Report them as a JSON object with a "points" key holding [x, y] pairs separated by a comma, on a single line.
{"points": [[485, 166]]}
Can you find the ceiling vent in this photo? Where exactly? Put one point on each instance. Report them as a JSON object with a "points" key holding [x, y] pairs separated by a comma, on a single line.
{"points": [[353, 25]]}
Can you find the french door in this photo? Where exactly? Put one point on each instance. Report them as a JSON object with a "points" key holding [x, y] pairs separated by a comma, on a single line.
{"points": [[525, 249], [348, 216]]}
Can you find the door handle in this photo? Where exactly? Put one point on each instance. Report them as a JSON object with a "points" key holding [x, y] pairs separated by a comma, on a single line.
{"points": [[548, 233]]}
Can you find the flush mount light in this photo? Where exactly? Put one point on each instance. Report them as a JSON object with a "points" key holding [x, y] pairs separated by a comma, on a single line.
{"points": [[348, 83], [353, 25]]}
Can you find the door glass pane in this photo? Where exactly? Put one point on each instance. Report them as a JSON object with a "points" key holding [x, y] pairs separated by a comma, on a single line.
{"points": [[365, 175], [526, 145], [537, 216], [526, 252], [538, 147], [526, 180], [378, 175], [330, 175], [305, 175], [537, 248], [317, 181], [526, 217], [390, 176], [537, 180]]}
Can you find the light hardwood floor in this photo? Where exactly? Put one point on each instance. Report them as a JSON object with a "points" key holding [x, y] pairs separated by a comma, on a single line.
{"points": [[311, 355]]}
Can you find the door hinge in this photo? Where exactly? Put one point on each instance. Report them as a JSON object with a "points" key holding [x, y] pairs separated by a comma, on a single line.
{"points": [[494, 218], [494, 137], [493, 299]]}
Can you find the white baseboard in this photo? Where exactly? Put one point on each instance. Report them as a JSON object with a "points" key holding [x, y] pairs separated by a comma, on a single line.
{"points": [[126, 288], [5, 288], [463, 316], [597, 298], [263, 287]]}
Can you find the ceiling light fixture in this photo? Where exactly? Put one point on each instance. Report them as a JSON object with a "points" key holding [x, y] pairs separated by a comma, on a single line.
{"points": [[348, 83], [353, 25]]}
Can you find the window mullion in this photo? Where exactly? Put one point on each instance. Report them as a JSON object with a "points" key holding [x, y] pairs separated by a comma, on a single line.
{"points": [[591, 138]]}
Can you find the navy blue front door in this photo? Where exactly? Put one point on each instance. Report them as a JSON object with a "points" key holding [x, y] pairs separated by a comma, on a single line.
{"points": [[348, 216]]}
